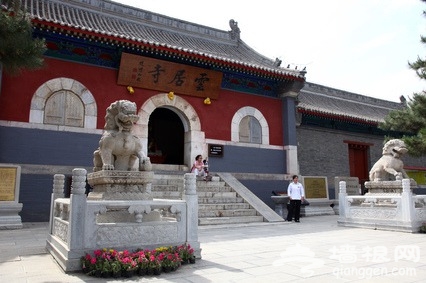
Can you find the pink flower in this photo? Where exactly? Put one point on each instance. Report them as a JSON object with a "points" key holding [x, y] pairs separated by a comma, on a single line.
{"points": [[161, 256]]}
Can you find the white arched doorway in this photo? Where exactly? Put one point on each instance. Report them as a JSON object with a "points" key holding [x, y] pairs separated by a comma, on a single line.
{"points": [[194, 138]]}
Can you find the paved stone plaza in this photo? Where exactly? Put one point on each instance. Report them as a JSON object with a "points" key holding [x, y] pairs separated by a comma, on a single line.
{"points": [[314, 250]]}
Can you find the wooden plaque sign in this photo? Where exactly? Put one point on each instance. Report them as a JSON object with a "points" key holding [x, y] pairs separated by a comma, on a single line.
{"points": [[8, 177], [315, 187], [144, 72]]}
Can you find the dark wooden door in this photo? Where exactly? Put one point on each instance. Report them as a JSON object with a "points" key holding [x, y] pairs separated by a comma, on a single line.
{"points": [[358, 162]]}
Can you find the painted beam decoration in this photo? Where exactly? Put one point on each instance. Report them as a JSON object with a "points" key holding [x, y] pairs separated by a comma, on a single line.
{"points": [[144, 72]]}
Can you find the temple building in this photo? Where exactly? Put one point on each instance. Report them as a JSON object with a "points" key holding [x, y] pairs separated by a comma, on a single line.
{"points": [[198, 90]]}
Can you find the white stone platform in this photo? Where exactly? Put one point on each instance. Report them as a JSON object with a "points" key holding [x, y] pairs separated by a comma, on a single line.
{"points": [[78, 226], [390, 206]]}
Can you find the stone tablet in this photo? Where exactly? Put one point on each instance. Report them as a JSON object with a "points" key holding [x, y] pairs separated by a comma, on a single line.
{"points": [[353, 188], [10, 176]]}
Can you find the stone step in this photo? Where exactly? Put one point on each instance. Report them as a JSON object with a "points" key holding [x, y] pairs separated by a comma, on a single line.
{"points": [[204, 192], [203, 198], [226, 213], [223, 206], [164, 188], [229, 220], [202, 184], [215, 189], [166, 195], [167, 182], [170, 169], [218, 200], [217, 194]]}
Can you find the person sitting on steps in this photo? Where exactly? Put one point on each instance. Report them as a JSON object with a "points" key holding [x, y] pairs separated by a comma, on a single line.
{"points": [[198, 167]]}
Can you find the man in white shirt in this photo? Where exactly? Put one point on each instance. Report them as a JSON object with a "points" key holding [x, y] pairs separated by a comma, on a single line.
{"points": [[296, 192]]}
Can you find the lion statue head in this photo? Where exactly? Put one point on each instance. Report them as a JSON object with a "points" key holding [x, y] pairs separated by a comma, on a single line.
{"points": [[120, 116], [395, 147]]}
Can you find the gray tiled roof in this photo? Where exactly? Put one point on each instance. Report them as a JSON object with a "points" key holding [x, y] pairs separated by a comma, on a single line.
{"points": [[125, 23], [320, 99]]}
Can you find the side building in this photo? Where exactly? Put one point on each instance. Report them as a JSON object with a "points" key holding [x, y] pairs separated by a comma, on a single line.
{"points": [[338, 135]]}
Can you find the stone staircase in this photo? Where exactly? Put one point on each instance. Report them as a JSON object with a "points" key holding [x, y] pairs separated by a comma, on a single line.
{"points": [[218, 202]]}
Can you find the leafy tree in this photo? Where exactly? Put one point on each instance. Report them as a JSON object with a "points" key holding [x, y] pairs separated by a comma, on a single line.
{"points": [[412, 118], [18, 49]]}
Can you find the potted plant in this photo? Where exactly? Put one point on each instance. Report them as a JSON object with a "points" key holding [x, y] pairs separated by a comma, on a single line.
{"points": [[106, 270], [116, 268], [422, 228], [154, 266], [167, 260], [88, 264], [186, 253], [142, 262], [128, 264]]}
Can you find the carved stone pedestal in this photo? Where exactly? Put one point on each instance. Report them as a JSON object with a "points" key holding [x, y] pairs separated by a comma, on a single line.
{"points": [[120, 185], [389, 205], [9, 215], [281, 205], [386, 188]]}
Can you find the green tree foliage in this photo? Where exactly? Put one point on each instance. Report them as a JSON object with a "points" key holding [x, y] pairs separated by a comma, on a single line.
{"points": [[420, 65], [411, 119], [18, 49]]}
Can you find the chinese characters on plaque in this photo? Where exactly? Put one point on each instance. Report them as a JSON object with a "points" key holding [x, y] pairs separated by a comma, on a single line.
{"points": [[144, 72], [315, 187], [7, 183]]}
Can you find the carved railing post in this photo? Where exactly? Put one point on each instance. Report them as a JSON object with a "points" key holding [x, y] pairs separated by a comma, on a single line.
{"points": [[407, 203], [191, 198], [58, 186], [57, 192], [77, 209], [343, 204]]}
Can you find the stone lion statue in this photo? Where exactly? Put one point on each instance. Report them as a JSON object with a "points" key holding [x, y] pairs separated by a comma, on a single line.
{"points": [[118, 148], [390, 166]]}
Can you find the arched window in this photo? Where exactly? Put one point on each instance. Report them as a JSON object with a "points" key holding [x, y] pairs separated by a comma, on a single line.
{"points": [[64, 102], [249, 126], [250, 130], [64, 108]]}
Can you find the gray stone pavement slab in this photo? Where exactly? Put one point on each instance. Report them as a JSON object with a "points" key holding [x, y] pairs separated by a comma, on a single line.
{"points": [[314, 250]]}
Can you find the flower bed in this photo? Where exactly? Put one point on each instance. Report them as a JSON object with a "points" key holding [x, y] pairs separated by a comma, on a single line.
{"points": [[112, 263]]}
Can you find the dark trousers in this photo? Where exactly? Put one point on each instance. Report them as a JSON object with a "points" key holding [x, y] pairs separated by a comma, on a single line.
{"points": [[294, 210]]}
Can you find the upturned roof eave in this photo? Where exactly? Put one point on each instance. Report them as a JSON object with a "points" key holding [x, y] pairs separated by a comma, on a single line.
{"points": [[127, 40], [338, 116]]}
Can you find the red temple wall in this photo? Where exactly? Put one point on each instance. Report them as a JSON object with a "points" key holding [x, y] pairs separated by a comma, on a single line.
{"points": [[17, 92]]}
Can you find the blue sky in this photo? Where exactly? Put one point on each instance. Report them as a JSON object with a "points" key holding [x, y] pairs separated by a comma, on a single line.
{"points": [[361, 46]]}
